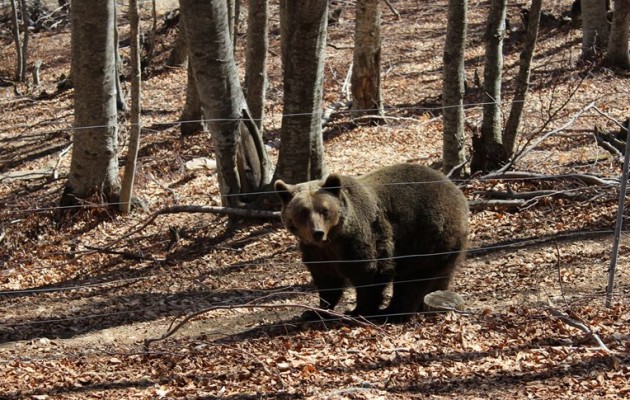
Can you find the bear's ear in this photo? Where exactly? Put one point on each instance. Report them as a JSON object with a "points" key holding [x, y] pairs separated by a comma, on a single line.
{"points": [[333, 185], [283, 191]]}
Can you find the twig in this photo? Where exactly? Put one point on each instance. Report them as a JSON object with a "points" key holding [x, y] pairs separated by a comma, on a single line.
{"points": [[126, 254], [579, 325], [62, 154], [240, 212], [173, 329], [393, 10], [521, 153], [584, 178]]}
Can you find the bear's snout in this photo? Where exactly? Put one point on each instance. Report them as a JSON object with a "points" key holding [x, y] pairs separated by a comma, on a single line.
{"points": [[319, 235]]}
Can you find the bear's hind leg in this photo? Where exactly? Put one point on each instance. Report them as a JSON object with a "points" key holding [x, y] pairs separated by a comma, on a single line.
{"points": [[406, 301]]}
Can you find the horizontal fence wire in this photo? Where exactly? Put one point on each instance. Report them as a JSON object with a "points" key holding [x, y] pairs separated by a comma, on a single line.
{"points": [[482, 249], [610, 183]]}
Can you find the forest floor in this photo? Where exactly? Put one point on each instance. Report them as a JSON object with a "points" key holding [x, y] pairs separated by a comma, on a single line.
{"points": [[77, 304]]}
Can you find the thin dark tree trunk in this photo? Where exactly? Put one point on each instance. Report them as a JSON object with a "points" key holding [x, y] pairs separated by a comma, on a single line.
{"points": [[366, 64], [256, 58], [192, 114], [303, 42], [488, 151], [121, 104], [134, 137], [453, 87], [25, 40], [179, 53], [522, 79], [617, 52], [20, 67], [94, 165]]}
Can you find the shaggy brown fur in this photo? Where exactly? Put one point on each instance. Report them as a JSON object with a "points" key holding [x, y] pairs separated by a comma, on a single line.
{"points": [[404, 223]]}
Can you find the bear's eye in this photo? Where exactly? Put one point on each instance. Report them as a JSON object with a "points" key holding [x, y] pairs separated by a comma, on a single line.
{"points": [[305, 213]]}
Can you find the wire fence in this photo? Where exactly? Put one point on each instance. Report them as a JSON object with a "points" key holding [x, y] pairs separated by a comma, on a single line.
{"points": [[173, 349]]}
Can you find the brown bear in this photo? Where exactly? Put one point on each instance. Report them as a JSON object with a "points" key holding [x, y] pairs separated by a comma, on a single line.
{"points": [[404, 223]]}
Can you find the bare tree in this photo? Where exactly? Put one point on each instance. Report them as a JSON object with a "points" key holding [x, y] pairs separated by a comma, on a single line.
{"points": [[488, 151], [179, 53], [20, 67], [617, 52], [191, 119], [303, 42], [134, 137], [522, 79], [366, 64], [94, 165], [241, 157], [453, 149], [24, 52], [595, 29], [256, 58]]}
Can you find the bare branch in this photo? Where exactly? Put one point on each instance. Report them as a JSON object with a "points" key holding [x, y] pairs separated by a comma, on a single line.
{"points": [[319, 311], [581, 325]]}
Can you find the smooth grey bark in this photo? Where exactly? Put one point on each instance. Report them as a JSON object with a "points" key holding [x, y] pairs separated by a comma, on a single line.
{"points": [[303, 42], [366, 62], [617, 52], [453, 146], [488, 151], [522, 79], [94, 164], [242, 160], [595, 29], [134, 136], [256, 58], [20, 67]]}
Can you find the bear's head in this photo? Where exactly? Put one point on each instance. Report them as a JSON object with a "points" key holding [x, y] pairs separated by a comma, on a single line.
{"points": [[312, 211]]}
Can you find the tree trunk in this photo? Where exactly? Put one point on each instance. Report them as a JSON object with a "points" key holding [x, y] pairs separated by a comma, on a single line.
{"points": [[121, 105], [595, 28], [192, 114], [24, 53], [20, 67], [179, 53], [134, 136], [256, 59], [366, 64], [488, 151], [303, 41], [222, 100], [522, 79], [617, 52], [94, 165], [453, 148]]}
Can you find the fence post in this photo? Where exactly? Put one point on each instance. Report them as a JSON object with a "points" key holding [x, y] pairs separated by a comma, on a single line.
{"points": [[618, 225]]}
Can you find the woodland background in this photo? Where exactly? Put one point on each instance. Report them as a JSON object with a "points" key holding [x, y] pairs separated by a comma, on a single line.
{"points": [[80, 295]]}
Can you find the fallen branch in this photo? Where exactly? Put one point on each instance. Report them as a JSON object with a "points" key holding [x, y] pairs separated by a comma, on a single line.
{"points": [[574, 322], [125, 254], [319, 311], [521, 153], [609, 142], [584, 178], [392, 9], [240, 212]]}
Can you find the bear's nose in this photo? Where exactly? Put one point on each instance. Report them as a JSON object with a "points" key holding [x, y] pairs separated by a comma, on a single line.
{"points": [[318, 235]]}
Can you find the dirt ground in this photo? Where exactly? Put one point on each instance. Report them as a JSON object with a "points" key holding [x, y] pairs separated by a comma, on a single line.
{"points": [[76, 306]]}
